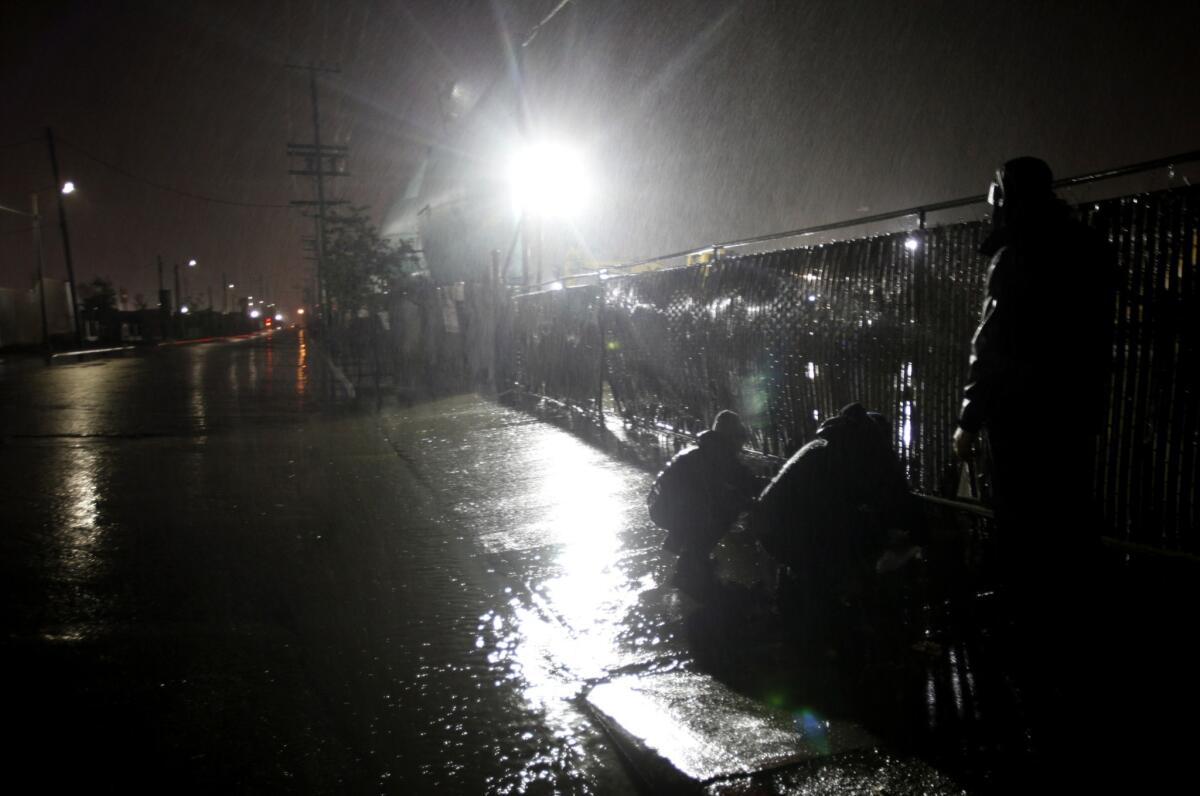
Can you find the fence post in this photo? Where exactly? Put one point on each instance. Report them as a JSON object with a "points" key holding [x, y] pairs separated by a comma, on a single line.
{"points": [[603, 355], [492, 304]]}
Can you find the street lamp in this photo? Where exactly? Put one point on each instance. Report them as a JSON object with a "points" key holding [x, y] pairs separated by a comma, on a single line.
{"points": [[64, 189]]}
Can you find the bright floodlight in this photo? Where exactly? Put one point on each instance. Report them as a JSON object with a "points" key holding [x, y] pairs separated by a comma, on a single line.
{"points": [[191, 263], [184, 309], [68, 187], [548, 179], [254, 313], [911, 244]]}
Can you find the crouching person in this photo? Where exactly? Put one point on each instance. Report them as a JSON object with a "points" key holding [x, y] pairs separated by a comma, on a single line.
{"points": [[698, 496], [838, 515]]}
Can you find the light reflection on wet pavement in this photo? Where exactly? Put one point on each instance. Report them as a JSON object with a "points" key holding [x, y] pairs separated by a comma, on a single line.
{"points": [[562, 527], [220, 575]]}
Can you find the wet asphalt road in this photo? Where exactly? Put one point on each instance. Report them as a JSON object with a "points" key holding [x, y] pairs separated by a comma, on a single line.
{"points": [[216, 575]]}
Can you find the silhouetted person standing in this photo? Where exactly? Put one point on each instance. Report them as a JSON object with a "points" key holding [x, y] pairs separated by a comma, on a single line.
{"points": [[1038, 383], [1039, 371]]}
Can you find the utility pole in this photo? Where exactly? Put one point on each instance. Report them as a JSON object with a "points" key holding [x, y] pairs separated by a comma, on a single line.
{"points": [[318, 161], [66, 239]]}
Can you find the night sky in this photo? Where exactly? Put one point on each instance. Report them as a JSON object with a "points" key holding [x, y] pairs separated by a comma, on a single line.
{"points": [[702, 121]]}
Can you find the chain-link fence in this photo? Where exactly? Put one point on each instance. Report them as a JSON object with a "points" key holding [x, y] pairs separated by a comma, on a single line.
{"points": [[788, 337]]}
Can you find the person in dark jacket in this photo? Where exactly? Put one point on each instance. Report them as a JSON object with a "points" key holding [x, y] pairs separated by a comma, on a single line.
{"points": [[836, 509], [1039, 368], [699, 495], [1038, 384]]}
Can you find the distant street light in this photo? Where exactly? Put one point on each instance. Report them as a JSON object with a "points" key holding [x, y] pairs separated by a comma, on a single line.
{"points": [[300, 311], [184, 309], [232, 286], [255, 313], [68, 188]]}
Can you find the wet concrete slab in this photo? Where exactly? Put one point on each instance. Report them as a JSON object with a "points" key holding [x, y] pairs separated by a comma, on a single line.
{"points": [[707, 731], [688, 732]]}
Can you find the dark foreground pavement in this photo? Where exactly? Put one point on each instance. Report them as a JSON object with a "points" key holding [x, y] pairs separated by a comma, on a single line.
{"points": [[216, 577]]}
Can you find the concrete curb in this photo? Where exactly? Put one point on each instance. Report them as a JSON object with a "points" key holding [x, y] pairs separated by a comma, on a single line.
{"points": [[66, 356]]}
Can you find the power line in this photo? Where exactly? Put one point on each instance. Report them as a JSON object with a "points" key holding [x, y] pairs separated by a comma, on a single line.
{"points": [[538, 27], [168, 188]]}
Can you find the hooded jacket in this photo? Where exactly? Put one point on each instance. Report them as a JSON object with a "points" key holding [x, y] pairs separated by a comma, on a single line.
{"points": [[700, 493], [827, 512], [1045, 334]]}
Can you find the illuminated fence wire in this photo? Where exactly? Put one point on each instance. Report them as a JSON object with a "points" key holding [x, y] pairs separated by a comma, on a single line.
{"points": [[788, 337]]}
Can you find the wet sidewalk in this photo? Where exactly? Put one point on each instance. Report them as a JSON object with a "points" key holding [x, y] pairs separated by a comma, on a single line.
{"points": [[217, 576]]}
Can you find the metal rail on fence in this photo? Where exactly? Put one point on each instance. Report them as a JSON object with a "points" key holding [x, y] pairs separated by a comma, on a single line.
{"points": [[919, 211]]}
